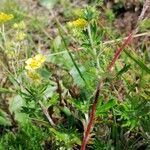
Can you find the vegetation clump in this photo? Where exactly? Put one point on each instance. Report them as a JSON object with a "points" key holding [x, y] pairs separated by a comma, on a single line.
{"points": [[70, 80]]}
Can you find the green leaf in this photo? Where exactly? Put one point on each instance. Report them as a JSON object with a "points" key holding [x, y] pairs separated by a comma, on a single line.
{"points": [[53, 101], [4, 90], [145, 24], [4, 119], [16, 104], [22, 118], [105, 107], [138, 61], [66, 111], [123, 70], [57, 42], [44, 73]]}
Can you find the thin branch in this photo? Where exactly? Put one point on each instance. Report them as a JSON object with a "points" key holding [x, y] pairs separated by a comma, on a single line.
{"points": [[120, 39], [142, 15], [127, 41], [145, 8], [93, 49], [44, 109]]}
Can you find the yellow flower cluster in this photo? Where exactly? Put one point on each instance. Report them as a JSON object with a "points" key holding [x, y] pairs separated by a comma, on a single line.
{"points": [[20, 36], [5, 17], [21, 25], [79, 23], [35, 62], [19, 28]]}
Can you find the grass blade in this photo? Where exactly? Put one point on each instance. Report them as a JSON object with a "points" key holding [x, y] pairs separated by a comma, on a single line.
{"points": [[137, 61], [70, 54]]}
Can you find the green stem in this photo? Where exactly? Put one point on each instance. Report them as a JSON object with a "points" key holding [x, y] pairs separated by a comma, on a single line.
{"points": [[3, 33], [93, 49]]}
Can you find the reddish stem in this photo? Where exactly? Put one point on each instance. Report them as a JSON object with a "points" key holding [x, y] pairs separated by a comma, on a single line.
{"points": [[118, 52], [92, 114]]}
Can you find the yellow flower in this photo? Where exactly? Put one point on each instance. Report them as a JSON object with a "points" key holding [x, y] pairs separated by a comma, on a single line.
{"points": [[79, 23], [35, 62], [5, 17], [21, 25], [34, 76], [20, 36]]}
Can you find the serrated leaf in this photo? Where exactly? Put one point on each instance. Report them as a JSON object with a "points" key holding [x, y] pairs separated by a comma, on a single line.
{"points": [[105, 107]]}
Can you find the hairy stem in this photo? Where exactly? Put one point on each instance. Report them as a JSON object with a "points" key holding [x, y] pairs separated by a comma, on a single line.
{"points": [[99, 86], [118, 52], [92, 115]]}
